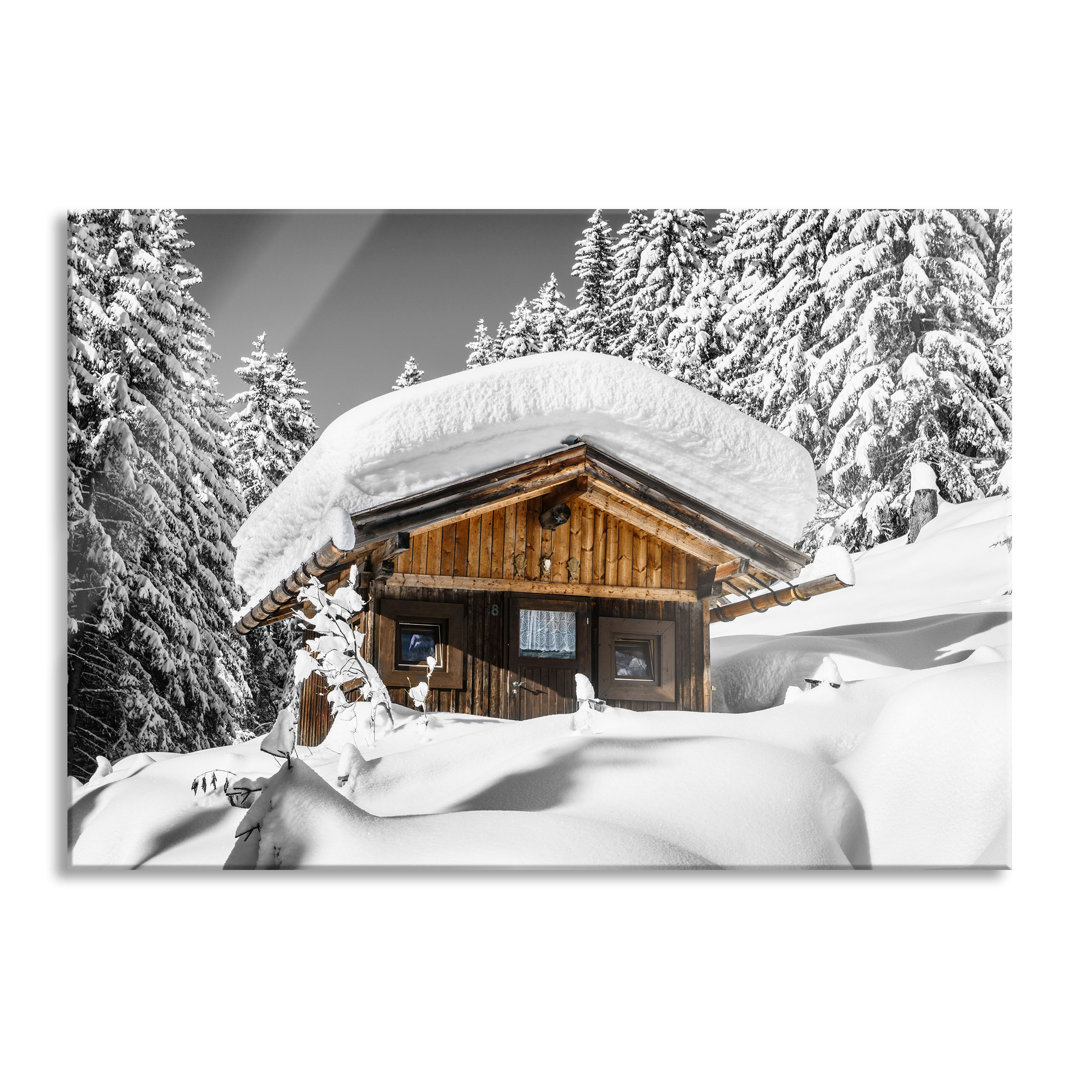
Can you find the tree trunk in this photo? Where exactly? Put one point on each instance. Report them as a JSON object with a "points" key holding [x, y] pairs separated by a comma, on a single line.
{"points": [[924, 507]]}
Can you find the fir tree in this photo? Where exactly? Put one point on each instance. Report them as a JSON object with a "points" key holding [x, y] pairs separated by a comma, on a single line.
{"points": [[272, 426], [550, 318], [675, 249], [521, 337], [270, 431], [694, 346], [785, 321], [481, 348], [410, 375], [1002, 300], [909, 368], [592, 327], [498, 348], [153, 662], [633, 235], [779, 387], [720, 236], [749, 266]]}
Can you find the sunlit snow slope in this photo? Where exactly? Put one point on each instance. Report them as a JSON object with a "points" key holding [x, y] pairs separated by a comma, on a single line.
{"points": [[905, 763]]}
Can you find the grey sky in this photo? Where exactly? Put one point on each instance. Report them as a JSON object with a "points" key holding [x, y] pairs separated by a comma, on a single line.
{"points": [[352, 294]]}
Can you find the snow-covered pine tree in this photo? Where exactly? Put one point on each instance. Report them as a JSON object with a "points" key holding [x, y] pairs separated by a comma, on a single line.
{"points": [[521, 338], [591, 327], [271, 429], [786, 320], [410, 375], [153, 662], [630, 242], [750, 271], [271, 426], [909, 368], [1002, 299], [676, 247], [694, 348], [720, 234], [481, 348], [550, 317], [498, 348]]}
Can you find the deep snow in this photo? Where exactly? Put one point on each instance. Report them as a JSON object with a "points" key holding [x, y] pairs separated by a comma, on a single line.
{"points": [[439, 431], [905, 763]]}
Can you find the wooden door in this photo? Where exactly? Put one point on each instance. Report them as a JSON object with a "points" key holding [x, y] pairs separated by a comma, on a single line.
{"points": [[549, 643]]}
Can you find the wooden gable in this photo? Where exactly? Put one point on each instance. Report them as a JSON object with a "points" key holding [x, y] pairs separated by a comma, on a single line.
{"points": [[596, 553], [628, 535]]}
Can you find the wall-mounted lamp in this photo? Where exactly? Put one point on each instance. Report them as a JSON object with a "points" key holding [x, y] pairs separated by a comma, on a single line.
{"points": [[555, 516]]}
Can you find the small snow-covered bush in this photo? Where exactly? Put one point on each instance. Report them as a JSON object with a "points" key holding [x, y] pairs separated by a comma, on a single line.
{"points": [[335, 654]]}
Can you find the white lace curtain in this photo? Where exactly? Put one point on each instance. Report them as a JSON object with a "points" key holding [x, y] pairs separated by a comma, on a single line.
{"points": [[548, 632]]}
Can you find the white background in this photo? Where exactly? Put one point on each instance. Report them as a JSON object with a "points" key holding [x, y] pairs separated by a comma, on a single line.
{"points": [[530, 974]]}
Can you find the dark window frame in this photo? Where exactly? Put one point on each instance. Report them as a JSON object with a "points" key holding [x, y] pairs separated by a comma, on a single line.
{"points": [[540, 602], [661, 634], [449, 618]]}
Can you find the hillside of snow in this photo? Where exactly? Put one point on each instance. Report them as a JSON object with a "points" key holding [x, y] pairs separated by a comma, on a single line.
{"points": [[903, 762], [439, 431]]}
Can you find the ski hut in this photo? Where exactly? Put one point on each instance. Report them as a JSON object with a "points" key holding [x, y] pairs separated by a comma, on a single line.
{"points": [[533, 519]]}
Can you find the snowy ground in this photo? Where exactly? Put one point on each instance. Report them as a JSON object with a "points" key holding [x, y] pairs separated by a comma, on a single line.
{"points": [[906, 763]]}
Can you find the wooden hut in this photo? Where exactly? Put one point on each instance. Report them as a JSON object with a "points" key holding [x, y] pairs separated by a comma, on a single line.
{"points": [[520, 577]]}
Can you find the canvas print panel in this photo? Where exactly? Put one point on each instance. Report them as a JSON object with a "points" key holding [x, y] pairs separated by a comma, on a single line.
{"points": [[708, 565]]}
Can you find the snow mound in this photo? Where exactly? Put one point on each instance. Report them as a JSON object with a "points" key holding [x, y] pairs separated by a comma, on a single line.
{"points": [[933, 772], [473, 421], [533, 795], [301, 821]]}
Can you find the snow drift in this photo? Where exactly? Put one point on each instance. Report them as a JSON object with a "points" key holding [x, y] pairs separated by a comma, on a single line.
{"points": [[439, 431]]}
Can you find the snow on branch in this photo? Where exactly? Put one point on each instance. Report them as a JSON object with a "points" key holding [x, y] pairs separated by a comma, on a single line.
{"points": [[335, 653]]}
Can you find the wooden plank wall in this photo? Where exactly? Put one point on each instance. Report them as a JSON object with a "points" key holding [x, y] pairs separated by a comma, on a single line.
{"points": [[691, 642], [594, 547], [485, 681]]}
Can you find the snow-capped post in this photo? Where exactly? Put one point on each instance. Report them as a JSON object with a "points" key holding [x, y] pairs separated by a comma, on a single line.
{"points": [[588, 703], [281, 740], [924, 498], [825, 674]]}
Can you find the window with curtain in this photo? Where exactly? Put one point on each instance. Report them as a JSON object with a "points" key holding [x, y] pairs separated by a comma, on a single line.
{"points": [[550, 634]]}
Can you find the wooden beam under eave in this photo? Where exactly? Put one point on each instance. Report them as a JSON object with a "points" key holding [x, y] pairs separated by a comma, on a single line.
{"points": [[553, 588], [564, 493], [425, 522], [623, 480], [763, 601], [642, 516], [470, 496]]}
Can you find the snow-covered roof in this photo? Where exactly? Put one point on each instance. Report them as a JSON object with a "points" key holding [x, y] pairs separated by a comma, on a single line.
{"points": [[436, 432]]}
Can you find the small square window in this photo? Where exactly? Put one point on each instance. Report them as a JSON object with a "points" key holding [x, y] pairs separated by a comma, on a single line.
{"points": [[635, 659], [416, 642]]}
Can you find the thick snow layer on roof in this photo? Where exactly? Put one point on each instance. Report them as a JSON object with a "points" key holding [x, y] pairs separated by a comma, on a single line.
{"points": [[436, 432]]}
